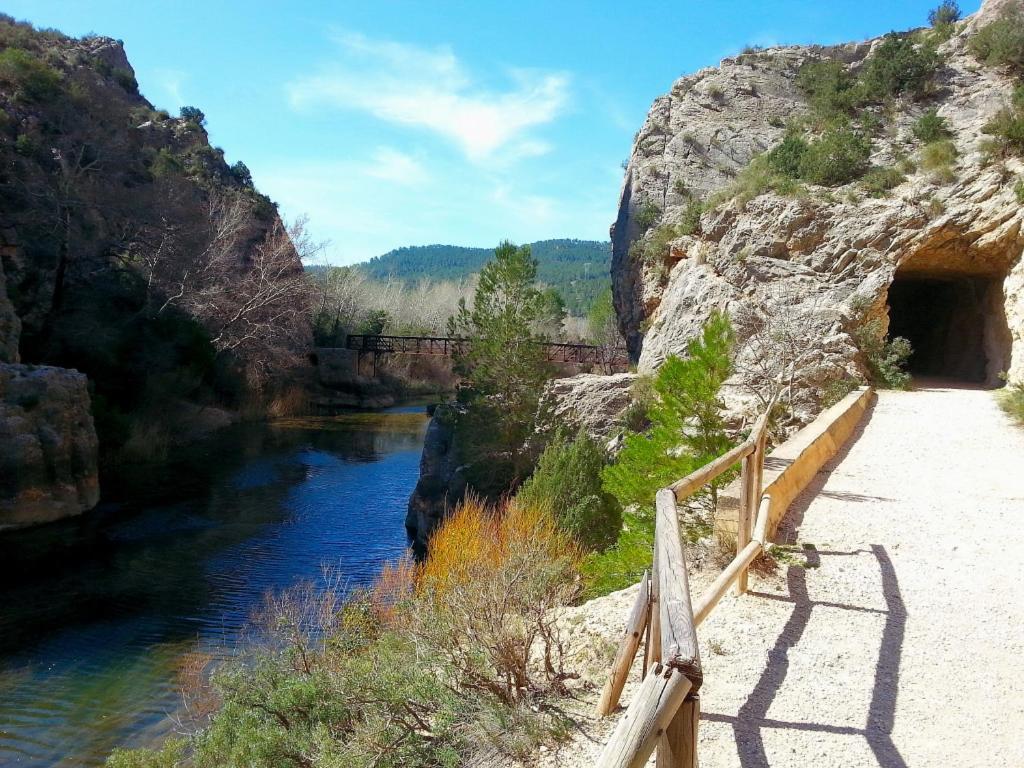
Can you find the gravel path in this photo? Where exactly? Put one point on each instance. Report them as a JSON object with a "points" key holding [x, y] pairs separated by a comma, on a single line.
{"points": [[892, 632]]}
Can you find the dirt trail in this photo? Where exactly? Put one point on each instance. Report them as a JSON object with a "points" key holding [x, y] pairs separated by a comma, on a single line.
{"points": [[892, 634]]}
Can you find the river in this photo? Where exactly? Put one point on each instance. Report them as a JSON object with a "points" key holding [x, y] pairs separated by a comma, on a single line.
{"points": [[99, 615]]}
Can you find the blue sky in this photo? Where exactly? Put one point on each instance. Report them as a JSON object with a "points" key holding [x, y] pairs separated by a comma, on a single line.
{"points": [[408, 123]]}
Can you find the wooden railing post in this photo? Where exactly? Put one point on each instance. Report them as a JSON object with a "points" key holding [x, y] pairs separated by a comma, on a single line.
{"points": [[746, 514], [678, 747], [638, 622]]}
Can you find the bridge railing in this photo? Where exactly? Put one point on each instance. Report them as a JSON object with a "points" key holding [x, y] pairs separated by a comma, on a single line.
{"points": [[665, 712], [447, 346]]}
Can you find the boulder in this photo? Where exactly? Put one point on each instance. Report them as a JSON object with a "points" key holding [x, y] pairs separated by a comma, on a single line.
{"points": [[48, 446], [588, 401]]}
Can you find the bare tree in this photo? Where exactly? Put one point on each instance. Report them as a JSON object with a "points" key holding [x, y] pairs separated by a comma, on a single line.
{"points": [[780, 340]]}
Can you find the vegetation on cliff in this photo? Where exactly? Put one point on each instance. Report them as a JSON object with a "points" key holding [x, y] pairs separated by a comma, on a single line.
{"points": [[132, 251]]}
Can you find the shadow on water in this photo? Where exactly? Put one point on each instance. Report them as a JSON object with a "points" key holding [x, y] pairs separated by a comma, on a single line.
{"points": [[97, 612]]}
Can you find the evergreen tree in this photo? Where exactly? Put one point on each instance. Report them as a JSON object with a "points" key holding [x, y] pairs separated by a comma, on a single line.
{"points": [[567, 482], [503, 364], [686, 429]]}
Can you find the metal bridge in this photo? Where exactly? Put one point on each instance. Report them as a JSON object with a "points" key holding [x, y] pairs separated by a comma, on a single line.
{"points": [[610, 358]]}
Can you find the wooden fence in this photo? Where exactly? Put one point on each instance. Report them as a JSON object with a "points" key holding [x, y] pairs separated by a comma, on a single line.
{"points": [[665, 712]]}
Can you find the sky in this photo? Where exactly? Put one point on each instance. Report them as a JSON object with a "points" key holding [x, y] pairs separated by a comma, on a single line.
{"points": [[394, 123]]}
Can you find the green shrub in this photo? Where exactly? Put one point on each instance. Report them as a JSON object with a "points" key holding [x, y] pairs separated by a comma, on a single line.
{"points": [[885, 358], [1007, 127], [836, 390], [622, 564], [647, 215], [829, 86], [165, 163], [939, 159], [567, 481], [1001, 43], [690, 221], [192, 115], [878, 181], [126, 80], [1018, 191], [931, 127], [787, 156], [26, 145], [945, 13], [1011, 400], [757, 178], [899, 67], [838, 157], [656, 247], [31, 79]]}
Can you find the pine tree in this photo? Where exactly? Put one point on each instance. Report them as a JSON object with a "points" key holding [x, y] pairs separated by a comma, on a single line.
{"points": [[687, 430], [503, 363]]}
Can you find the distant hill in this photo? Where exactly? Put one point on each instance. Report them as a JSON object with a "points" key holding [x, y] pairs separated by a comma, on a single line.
{"points": [[578, 269]]}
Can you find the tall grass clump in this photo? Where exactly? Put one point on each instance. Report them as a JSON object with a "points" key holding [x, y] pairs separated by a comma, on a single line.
{"points": [[1007, 126], [1011, 400], [435, 665]]}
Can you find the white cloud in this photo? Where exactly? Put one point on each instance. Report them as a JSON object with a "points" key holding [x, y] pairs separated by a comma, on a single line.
{"points": [[430, 88], [171, 82], [391, 165]]}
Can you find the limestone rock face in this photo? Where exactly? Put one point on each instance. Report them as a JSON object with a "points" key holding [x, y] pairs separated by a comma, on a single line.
{"points": [[588, 401], [442, 481], [47, 445], [821, 264]]}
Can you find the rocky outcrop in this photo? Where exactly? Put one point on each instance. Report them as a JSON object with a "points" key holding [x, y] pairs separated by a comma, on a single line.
{"points": [[442, 481], [587, 401], [48, 467], [819, 266]]}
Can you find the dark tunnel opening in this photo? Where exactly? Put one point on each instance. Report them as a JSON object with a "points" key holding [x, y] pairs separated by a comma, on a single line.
{"points": [[956, 326]]}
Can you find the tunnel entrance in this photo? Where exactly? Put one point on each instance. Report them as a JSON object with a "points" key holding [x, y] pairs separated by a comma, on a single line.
{"points": [[956, 325]]}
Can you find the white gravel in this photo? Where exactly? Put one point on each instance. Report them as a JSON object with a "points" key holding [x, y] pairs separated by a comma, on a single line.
{"points": [[898, 640]]}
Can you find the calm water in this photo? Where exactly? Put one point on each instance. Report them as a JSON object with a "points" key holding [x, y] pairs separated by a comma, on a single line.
{"points": [[98, 615]]}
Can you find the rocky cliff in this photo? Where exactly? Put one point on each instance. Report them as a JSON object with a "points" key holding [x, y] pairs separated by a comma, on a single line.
{"points": [[127, 247], [803, 267]]}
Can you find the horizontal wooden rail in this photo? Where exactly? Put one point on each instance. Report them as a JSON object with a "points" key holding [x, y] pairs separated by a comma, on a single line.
{"points": [[685, 487], [707, 601]]}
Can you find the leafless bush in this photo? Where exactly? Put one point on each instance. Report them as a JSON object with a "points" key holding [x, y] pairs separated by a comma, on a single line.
{"points": [[779, 340]]}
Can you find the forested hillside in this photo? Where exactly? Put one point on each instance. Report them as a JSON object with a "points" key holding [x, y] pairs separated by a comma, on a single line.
{"points": [[578, 269]]}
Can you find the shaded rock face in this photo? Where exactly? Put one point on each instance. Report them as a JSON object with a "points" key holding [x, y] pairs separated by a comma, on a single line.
{"points": [[588, 401], [822, 264], [442, 482], [48, 445], [10, 323]]}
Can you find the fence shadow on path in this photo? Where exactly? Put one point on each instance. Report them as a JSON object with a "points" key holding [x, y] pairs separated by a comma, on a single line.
{"points": [[752, 719]]}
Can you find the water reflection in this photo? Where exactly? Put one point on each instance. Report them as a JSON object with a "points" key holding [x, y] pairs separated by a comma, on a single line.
{"points": [[97, 613]]}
